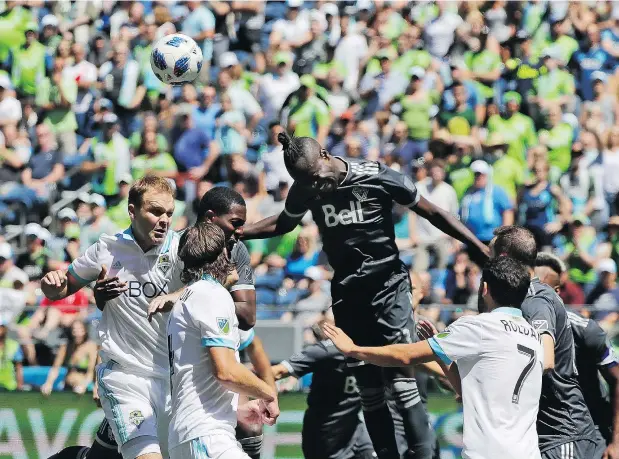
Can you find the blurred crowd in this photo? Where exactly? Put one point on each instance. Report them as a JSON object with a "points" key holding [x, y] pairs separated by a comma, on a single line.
{"points": [[501, 112]]}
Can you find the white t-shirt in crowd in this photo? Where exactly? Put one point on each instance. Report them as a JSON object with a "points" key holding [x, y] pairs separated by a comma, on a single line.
{"points": [[203, 317], [273, 91], [443, 196], [125, 334], [500, 360], [10, 110], [439, 33]]}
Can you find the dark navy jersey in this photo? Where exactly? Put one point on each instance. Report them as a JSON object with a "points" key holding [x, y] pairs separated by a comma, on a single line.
{"points": [[356, 221], [333, 391], [241, 259], [563, 415], [593, 352]]}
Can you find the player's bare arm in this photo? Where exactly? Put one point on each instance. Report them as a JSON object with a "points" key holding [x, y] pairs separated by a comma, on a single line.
{"points": [[245, 306], [451, 226], [611, 376], [393, 355], [260, 361], [276, 225], [237, 378], [548, 343]]}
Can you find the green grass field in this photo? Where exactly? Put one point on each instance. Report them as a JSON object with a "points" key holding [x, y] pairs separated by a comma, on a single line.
{"points": [[35, 427]]}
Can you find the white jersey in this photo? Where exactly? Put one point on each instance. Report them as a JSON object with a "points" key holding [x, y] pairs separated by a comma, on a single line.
{"points": [[203, 317], [125, 334], [500, 360]]}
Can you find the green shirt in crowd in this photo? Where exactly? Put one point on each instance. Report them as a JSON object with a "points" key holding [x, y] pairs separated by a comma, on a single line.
{"points": [[458, 123], [158, 163], [552, 85], [119, 214], [416, 114], [483, 62], [508, 173], [116, 153], [308, 116], [559, 142], [10, 354], [60, 119], [460, 176], [412, 58], [519, 133], [136, 140], [28, 68], [13, 23]]}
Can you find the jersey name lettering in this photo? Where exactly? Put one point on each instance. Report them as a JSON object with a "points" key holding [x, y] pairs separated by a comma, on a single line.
{"points": [[148, 289], [522, 329], [345, 217]]}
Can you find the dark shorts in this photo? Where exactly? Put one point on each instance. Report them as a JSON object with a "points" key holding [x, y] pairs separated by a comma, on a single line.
{"points": [[346, 441], [376, 314], [577, 449]]}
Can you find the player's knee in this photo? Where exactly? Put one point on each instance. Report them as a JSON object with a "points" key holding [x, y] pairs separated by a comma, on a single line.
{"points": [[405, 392], [372, 398], [248, 430], [252, 445], [144, 447]]}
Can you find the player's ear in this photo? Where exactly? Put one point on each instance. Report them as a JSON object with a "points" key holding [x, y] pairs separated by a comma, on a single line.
{"points": [[209, 215], [132, 211], [324, 153], [484, 289]]}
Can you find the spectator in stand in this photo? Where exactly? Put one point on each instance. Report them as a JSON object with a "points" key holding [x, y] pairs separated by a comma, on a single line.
{"points": [[538, 204], [461, 119], [485, 206], [601, 99], [591, 60], [558, 139], [610, 36], [9, 273], [79, 355], [58, 245], [15, 153], [194, 151], [199, 24], [122, 82], [555, 87], [56, 96], [137, 139], [401, 149], [276, 86], [440, 31], [292, 29], [578, 251], [108, 157], [11, 358], [242, 99], [231, 134], [10, 108], [315, 303], [84, 73], [205, 114], [508, 172], [610, 165], [350, 51], [426, 238], [35, 261], [303, 256], [605, 296], [118, 214], [99, 223], [27, 63], [308, 115], [151, 159]]}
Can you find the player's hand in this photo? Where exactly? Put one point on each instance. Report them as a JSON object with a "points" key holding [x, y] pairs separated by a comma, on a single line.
{"points": [[426, 330], [107, 289], [340, 339], [55, 279], [270, 412], [252, 412], [95, 394], [46, 389], [611, 452], [163, 303]]}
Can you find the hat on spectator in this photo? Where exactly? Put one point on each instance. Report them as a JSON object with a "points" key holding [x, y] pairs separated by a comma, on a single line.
{"points": [[294, 3], [110, 118], [599, 76], [330, 9], [106, 104], [308, 81], [31, 27], [282, 58], [480, 167], [512, 96], [314, 273], [384, 53], [67, 213], [417, 72], [72, 232], [49, 20], [607, 265], [84, 197], [523, 35], [494, 140], [125, 178], [364, 5], [97, 200], [34, 229], [6, 251], [5, 81], [228, 59]]}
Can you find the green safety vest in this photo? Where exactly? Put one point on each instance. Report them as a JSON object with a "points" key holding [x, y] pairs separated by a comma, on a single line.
{"points": [[28, 67]]}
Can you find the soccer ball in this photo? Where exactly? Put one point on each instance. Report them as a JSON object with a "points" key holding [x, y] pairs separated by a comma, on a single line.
{"points": [[176, 59]]}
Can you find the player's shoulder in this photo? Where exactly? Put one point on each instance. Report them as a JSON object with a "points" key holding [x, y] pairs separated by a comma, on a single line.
{"points": [[577, 320], [114, 242], [239, 252], [361, 170]]}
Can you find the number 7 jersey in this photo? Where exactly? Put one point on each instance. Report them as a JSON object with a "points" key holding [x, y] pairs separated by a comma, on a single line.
{"points": [[500, 359]]}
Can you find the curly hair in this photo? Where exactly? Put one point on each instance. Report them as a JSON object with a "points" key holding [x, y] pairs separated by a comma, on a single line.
{"points": [[201, 249], [300, 153]]}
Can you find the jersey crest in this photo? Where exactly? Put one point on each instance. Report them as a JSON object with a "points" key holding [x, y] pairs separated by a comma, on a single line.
{"points": [[360, 193], [163, 264], [136, 417], [224, 325], [540, 324]]}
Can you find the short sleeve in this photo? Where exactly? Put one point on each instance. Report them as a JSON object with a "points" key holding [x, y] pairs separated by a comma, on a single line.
{"points": [[538, 311], [241, 259], [296, 205], [305, 362], [247, 337], [216, 321], [399, 186], [502, 200], [460, 340], [322, 114], [596, 341], [87, 267], [19, 356]]}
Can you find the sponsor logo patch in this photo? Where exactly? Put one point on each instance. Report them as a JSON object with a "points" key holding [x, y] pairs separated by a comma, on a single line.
{"points": [[540, 324], [224, 325]]}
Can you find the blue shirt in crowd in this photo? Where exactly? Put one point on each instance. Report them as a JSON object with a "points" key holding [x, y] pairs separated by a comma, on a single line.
{"points": [[473, 215], [590, 61], [191, 148], [205, 119]]}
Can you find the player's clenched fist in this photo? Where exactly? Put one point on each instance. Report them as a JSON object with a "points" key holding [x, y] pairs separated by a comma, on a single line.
{"points": [[270, 412]]}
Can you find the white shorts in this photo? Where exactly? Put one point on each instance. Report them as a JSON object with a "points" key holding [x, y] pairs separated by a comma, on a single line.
{"points": [[135, 406], [217, 446]]}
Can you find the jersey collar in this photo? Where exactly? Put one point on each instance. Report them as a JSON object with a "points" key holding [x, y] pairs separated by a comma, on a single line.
{"points": [[209, 278], [347, 170], [127, 235], [509, 310]]}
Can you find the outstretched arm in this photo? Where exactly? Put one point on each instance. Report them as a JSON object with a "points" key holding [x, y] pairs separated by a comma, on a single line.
{"points": [[275, 225], [451, 226]]}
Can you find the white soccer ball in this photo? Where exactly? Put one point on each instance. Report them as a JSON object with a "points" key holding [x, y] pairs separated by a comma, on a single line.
{"points": [[176, 59]]}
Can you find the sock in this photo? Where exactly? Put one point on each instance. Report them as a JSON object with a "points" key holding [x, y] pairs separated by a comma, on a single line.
{"points": [[379, 423], [414, 417], [252, 446]]}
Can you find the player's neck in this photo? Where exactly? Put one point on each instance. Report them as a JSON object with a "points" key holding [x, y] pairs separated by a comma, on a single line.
{"points": [[342, 167], [144, 244]]}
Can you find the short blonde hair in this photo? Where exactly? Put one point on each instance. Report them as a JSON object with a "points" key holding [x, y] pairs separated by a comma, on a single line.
{"points": [[147, 183]]}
